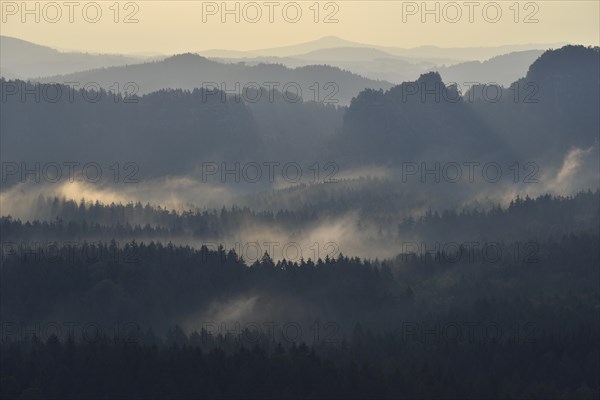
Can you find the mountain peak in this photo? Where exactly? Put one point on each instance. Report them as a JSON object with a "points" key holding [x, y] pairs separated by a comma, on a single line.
{"points": [[331, 38], [430, 77], [574, 58], [186, 57]]}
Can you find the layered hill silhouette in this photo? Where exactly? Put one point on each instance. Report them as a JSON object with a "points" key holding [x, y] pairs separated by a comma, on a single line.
{"points": [[503, 69], [548, 117], [553, 108], [542, 117], [418, 53], [23, 59], [371, 63], [319, 83]]}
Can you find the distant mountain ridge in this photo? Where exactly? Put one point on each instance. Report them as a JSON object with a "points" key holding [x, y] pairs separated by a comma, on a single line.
{"points": [[24, 59], [421, 52], [321, 83], [503, 69]]}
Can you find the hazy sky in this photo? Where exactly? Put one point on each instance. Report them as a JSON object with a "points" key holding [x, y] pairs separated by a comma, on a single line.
{"points": [[179, 26]]}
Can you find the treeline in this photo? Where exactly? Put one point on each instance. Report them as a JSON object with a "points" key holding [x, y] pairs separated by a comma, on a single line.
{"points": [[159, 285], [523, 219], [441, 322], [367, 366], [78, 217]]}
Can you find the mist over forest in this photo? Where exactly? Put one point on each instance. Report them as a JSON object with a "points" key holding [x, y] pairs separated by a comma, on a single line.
{"points": [[323, 220]]}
